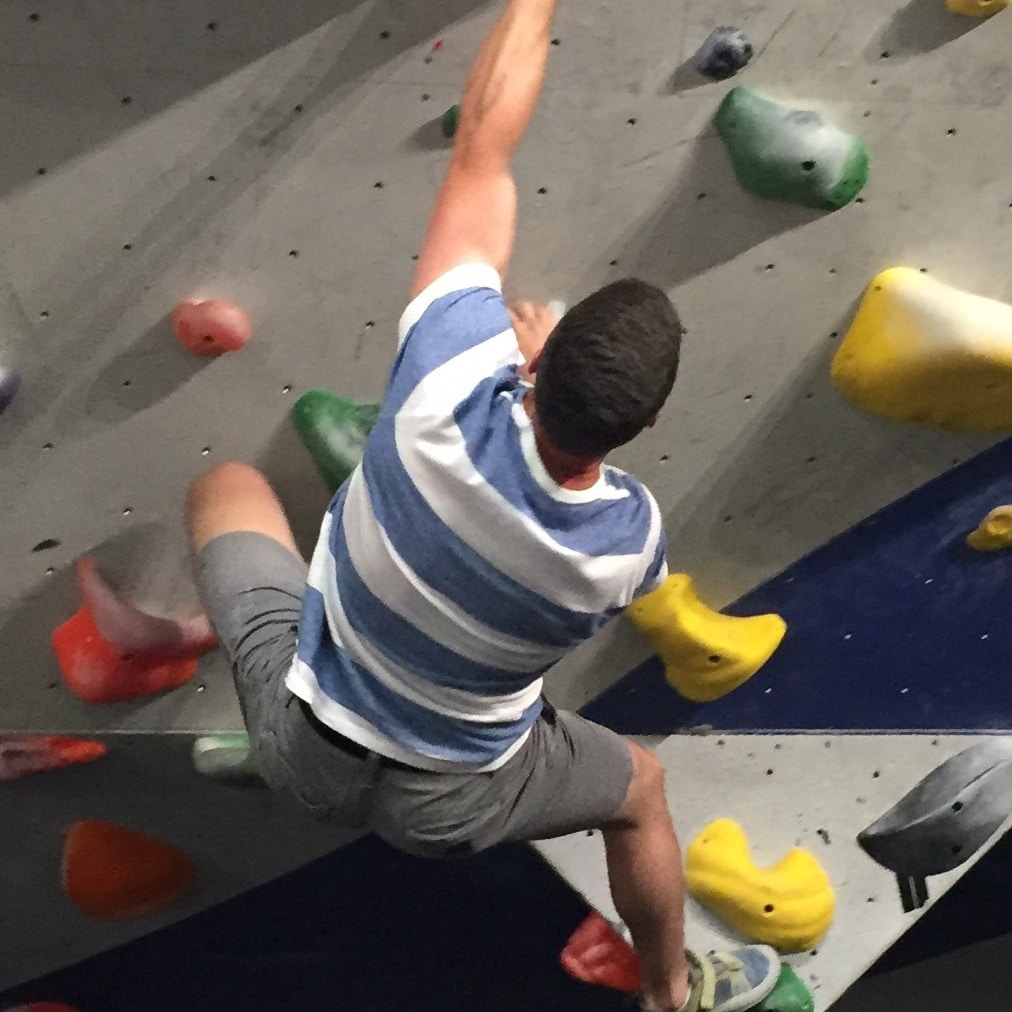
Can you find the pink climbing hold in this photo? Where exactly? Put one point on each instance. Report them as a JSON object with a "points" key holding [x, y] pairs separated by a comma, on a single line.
{"points": [[21, 754], [211, 327], [45, 1006], [110, 651]]}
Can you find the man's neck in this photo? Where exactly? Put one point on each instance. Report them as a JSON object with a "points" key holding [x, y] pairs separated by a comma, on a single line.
{"points": [[565, 470]]}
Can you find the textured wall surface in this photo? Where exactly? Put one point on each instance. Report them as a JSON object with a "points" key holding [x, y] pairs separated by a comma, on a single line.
{"points": [[288, 158]]}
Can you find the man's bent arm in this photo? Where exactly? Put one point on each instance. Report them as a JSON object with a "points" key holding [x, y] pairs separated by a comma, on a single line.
{"points": [[475, 215]]}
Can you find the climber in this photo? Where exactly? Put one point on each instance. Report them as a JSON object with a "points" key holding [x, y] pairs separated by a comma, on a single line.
{"points": [[395, 684]]}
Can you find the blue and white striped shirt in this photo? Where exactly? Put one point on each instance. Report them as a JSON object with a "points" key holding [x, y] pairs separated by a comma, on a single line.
{"points": [[451, 570]]}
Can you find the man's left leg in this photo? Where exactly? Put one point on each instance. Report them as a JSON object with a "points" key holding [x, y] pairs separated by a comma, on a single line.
{"points": [[250, 579], [235, 497]]}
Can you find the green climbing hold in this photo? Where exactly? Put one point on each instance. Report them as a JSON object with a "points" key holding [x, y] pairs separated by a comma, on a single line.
{"points": [[226, 757], [790, 154], [334, 430], [789, 995], [451, 120]]}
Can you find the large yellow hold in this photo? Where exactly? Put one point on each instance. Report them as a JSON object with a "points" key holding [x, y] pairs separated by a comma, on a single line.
{"points": [[977, 8], [789, 905], [994, 532], [920, 351], [706, 655]]}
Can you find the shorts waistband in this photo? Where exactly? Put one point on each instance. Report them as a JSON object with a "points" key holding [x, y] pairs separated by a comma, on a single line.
{"points": [[346, 745]]}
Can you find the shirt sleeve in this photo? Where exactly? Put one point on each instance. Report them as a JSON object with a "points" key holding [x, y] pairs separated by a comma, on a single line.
{"points": [[657, 571], [460, 321]]}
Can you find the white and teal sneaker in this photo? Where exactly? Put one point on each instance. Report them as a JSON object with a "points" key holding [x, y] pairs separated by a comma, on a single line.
{"points": [[731, 981]]}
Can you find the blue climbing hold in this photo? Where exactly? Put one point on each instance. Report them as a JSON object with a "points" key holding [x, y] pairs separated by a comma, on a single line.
{"points": [[723, 54], [10, 381]]}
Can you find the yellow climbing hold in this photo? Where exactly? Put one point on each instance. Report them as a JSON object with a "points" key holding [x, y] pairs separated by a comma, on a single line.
{"points": [[977, 8], [706, 655], [920, 351], [994, 532], [789, 906]]}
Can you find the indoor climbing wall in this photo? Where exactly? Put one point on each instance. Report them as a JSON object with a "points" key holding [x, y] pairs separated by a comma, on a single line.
{"points": [[157, 153]]}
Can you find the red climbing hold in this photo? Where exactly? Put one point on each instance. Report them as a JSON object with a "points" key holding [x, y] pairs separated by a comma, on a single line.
{"points": [[113, 871], [21, 754], [597, 954], [150, 654], [211, 327]]}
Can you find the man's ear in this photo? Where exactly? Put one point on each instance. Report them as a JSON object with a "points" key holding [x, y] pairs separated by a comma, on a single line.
{"points": [[653, 419], [532, 366]]}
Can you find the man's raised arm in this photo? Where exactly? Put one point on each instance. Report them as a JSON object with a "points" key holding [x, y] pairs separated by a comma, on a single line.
{"points": [[475, 215]]}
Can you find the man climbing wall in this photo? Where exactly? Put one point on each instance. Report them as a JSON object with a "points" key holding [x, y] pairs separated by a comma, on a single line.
{"points": [[397, 686]]}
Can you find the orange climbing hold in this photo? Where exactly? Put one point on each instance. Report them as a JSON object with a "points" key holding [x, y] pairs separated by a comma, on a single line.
{"points": [[150, 655], [597, 954], [21, 754], [113, 871], [211, 327]]}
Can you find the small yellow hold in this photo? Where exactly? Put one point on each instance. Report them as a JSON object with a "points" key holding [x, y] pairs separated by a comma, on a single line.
{"points": [[789, 906], [706, 655], [977, 8], [923, 352], [994, 532]]}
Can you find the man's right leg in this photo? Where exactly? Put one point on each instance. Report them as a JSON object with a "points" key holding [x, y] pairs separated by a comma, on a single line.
{"points": [[571, 775], [647, 887]]}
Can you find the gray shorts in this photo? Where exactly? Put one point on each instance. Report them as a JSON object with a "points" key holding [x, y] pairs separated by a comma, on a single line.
{"points": [[569, 775]]}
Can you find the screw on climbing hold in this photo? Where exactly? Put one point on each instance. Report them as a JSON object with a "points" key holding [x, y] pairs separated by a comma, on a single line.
{"points": [[10, 383], [725, 52], [211, 327], [790, 154], [451, 121]]}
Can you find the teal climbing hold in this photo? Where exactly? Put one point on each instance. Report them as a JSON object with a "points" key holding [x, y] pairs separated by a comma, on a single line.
{"points": [[451, 120], [789, 994], [226, 757], [790, 154], [334, 430]]}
